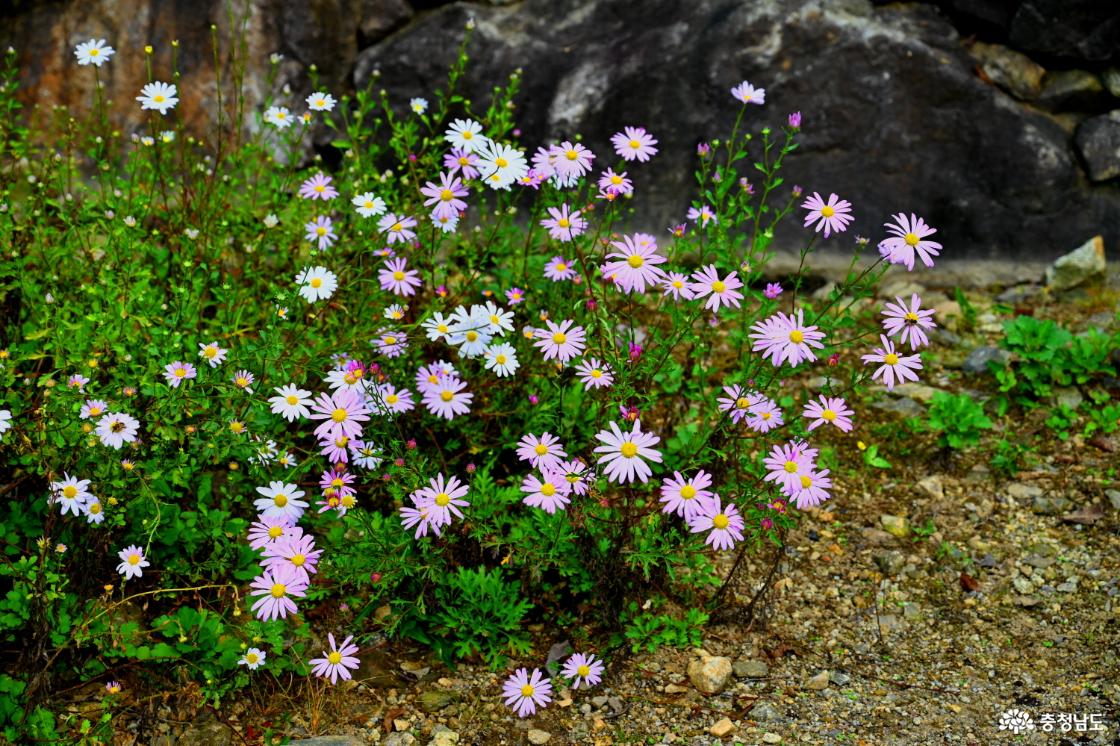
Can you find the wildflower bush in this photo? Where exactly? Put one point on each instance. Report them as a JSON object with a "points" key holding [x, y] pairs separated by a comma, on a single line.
{"points": [[257, 412]]}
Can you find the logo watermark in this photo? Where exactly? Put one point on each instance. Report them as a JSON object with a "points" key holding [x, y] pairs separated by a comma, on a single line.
{"points": [[1019, 721]]}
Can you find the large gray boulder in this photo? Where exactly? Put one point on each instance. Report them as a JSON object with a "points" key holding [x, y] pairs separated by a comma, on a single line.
{"points": [[895, 116]]}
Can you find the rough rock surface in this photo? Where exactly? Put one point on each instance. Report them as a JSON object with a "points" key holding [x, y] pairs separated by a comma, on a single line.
{"points": [[1098, 139], [1079, 266], [996, 176]]}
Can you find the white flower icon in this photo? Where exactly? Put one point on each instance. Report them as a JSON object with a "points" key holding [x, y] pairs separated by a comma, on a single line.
{"points": [[1016, 721]]}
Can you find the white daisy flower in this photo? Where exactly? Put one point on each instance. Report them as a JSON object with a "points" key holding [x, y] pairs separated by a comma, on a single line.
{"points": [[319, 101], [502, 359], [93, 52], [291, 402], [158, 96], [316, 283], [465, 134], [369, 205], [279, 116]]}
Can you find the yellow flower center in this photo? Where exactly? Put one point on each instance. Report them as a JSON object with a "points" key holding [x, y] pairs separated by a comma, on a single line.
{"points": [[688, 492], [134, 559], [720, 521], [298, 560], [805, 482], [791, 467], [635, 261], [547, 489], [320, 188], [827, 211], [678, 284], [389, 339], [541, 449], [797, 336], [596, 373], [94, 52], [501, 360], [242, 381], [316, 282], [211, 351], [293, 400], [180, 372], [635, 144], [911, 239], [742, 402], [278, 590], [251, 658], [563, 222], [447, 195], [584, 671], [339, 415], [442, 499], [559, 338], [94, 508], [280, 500], [275, 532], [70, 491], [719, 286], [561, 267], [396, 227], [828, 414], [765, 415], [628, 449], [472, 336], [464, 161], [616, 179], [911, 317], [158, 98], [335, 658], [501, 162], [392, 399], [468, 135], [398, 275], [891, 359], [571, 155], [527, 691], [94, 411], [446, 395]]}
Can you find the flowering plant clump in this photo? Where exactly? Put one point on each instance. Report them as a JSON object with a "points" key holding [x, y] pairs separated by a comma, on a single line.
{"points": [[441, 390]]}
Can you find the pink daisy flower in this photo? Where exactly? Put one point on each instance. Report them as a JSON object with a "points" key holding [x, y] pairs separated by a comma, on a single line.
{"points": [[267, 529], [723, 522], [635, 264], [177, 372], [338, 481], [545, 452], [396, 229], [572, 160], [676, 285], [707, 283], [548, 494], [577, 475], [702, 215], [764, 415], [395, 278], [683, 496], [447, 398], [787, 463], [583, 669], [321, 231], [832, 216], [388, 399], [390, 343], [562, 341], [420, 516], [446, 196], [338, 662], [812, 489], [594, 374], [318, 187], [515, 296], [336, 449], [297, 552], [564, 225], [737, 402], [460, 161], [559, 269], [624, 453], [442, 499], [907, 237], [831, 411], [429, 376], [894, 367], [524, 693], [343, 412], [785, 338], [277, 588], [634, 144], [93, 408], [773, 290], [748, 94], [618, 183], [909, 322]]}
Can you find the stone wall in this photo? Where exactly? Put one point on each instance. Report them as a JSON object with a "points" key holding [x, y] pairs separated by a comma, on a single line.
{"points": [[998, 120]]}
